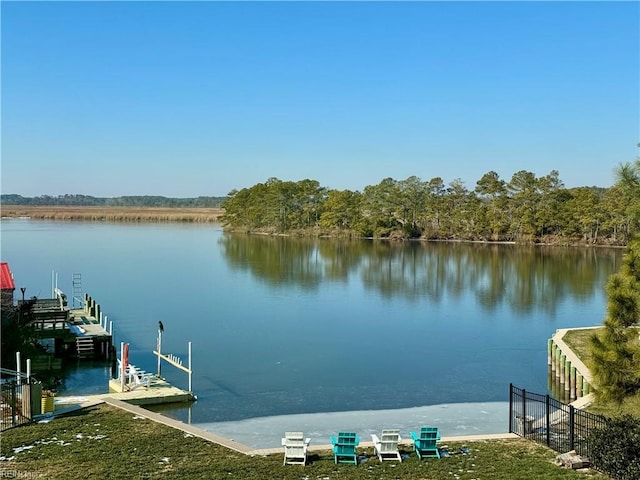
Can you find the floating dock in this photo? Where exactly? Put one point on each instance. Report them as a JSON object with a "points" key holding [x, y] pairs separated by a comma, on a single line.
{"points": [[156, 392]]}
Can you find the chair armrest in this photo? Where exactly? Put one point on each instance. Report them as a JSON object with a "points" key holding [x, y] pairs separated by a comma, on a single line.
{"points": [[283, 441], [307, 441], [375, 439], [333, 440], [414, 436], [357, 441]]}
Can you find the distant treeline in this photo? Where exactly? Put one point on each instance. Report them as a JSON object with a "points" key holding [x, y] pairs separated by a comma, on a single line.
{"points": [[525, 209], [126, 201]]}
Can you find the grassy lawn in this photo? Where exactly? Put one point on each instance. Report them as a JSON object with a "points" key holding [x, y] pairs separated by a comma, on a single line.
{"points": [[105, 442], [578, 341]]}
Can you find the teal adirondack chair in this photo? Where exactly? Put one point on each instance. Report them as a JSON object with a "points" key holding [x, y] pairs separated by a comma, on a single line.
{"points": [[425, 443], [344, 447]]}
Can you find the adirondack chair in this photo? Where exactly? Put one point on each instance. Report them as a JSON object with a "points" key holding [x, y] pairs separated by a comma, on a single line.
{"points": [[425, 443], [386, 447], [295, 448], [344, 447]]}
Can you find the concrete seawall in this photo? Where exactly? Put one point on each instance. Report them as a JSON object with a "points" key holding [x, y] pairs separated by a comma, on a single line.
{"points": [[571, 376]]}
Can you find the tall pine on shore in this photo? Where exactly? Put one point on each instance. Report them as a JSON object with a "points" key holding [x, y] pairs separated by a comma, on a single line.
{"points": [[616, 351]]}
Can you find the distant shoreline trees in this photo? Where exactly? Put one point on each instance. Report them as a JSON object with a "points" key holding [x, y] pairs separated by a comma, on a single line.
{"points": [[526, 209], [125, 201]]}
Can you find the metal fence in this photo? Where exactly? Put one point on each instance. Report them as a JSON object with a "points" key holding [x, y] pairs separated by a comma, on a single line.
{"points": [[545, 420], [18, 402]]}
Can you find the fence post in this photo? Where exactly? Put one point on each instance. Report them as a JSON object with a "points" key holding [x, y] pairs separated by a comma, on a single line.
{"points": [[14, 402], [548, 419], [511, 408], [524, 413], [572, 414]]}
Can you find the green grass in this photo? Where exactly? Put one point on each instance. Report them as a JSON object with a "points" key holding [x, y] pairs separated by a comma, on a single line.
{"points": [[105, 442], [579, 341]]}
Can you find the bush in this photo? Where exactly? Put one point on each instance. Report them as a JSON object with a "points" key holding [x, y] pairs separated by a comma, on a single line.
{"points": [[615, 448]]}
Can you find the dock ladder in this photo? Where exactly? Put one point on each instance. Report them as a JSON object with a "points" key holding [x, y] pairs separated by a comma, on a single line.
{"points": [[76, 282], [84, 347]]}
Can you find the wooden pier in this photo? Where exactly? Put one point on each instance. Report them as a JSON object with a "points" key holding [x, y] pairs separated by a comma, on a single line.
{"points": [[83, 333], [92, 330]]}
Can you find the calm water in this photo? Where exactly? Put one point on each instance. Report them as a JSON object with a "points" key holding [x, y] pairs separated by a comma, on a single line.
{"points": [[287, 326]]}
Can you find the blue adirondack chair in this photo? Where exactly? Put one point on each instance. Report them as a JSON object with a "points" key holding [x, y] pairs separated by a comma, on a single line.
{"points": [[344, 447], [425, 443]]}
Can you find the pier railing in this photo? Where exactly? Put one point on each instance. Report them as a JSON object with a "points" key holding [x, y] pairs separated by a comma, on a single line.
{"points": [[548, 421]]}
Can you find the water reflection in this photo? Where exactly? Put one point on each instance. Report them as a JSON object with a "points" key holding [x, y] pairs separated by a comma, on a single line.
{"points": [[524, 278]]}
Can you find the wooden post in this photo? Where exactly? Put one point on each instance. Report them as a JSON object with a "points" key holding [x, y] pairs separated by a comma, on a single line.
{"points": [[160, 352], [122, 367], [572, 383], [190, 372], [549, 351], [18, 379], [579, 386]]}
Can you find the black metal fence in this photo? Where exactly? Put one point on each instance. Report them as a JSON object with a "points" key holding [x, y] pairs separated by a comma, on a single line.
{"points": [[545, 420], [18, 402]]}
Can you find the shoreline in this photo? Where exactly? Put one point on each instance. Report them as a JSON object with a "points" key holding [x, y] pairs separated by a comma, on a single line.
{"points": [[463, 420], [101, 214], [452, 420]]}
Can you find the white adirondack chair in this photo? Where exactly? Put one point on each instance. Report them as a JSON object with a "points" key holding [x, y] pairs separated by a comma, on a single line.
{"points": [[386, 447], [295, 448]]}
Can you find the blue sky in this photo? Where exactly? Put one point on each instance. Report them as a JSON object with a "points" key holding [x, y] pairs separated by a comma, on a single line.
{"points": [[186, 99]]}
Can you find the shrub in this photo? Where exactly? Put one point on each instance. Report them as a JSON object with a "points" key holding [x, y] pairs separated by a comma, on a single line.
{"points": [[615, 448]]}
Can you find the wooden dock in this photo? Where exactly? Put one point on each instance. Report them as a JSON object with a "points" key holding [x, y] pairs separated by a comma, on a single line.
{"points": [[157, 391]]}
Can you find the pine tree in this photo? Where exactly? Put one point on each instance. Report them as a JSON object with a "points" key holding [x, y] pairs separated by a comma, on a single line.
{"points": [[616, 352]]}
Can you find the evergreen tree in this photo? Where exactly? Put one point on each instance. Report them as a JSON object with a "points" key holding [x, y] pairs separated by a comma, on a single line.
{"points": [[616, 352]]}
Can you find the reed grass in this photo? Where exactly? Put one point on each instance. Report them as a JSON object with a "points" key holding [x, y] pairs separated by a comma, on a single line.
{"points": [[114, 214]]}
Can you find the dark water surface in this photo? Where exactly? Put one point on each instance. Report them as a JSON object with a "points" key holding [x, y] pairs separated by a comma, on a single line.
{"points": [[285, 326]]}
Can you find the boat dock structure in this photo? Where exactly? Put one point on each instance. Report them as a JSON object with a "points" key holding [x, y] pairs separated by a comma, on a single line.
{"points": [[80, 331]]}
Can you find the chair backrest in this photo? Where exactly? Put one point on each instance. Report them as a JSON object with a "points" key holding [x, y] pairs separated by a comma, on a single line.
{"points": [[347, 438], [389, 441], [346, 443], [428, 435], [293, 438]]}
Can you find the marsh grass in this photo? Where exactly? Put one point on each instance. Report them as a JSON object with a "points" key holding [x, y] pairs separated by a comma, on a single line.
{"points": [[114, 214], [105, 442]]}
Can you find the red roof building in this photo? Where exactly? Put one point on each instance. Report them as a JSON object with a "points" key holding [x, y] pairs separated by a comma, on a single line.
{"points": [[7, 285]]}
